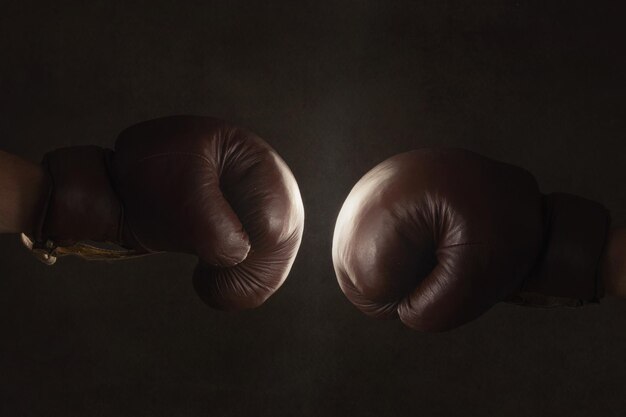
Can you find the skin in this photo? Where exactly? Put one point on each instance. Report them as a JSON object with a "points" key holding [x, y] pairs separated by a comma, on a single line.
{"points": [[23, 183], [613, 264]]}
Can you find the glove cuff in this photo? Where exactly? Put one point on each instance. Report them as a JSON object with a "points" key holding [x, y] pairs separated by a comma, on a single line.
{"points": [[82, 205], [575, 232]]}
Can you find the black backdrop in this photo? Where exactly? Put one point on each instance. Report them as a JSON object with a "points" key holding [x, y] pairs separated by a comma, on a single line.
{"points": [[335, 87]]}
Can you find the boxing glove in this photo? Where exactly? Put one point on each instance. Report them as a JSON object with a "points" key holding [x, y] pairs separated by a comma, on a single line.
{"points": [[436, 237], [185, 184]]}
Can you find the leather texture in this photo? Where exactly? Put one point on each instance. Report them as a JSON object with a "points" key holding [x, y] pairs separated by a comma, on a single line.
{"points": [[186, 184], [437, 236]]}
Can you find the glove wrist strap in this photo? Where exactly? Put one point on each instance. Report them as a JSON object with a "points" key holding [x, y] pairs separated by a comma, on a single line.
{"points": [[48, 252]]}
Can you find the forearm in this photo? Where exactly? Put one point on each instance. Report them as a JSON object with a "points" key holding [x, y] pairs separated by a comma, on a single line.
{"points": [[613, 264], [23, 186]]}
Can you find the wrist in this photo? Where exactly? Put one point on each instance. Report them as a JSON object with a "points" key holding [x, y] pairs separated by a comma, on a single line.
{"points": [[613, 264], [24, 187]]}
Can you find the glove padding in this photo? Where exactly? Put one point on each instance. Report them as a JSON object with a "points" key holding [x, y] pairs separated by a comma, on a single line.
{"points": [[438, 236], [180, 184]]}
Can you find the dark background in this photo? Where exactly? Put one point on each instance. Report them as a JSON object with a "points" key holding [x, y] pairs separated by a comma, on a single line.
{"points": [[335, 87]]}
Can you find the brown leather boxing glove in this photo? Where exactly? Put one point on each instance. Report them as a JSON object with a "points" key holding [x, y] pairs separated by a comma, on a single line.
{"points": [[182, 184], [436, 237]]}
